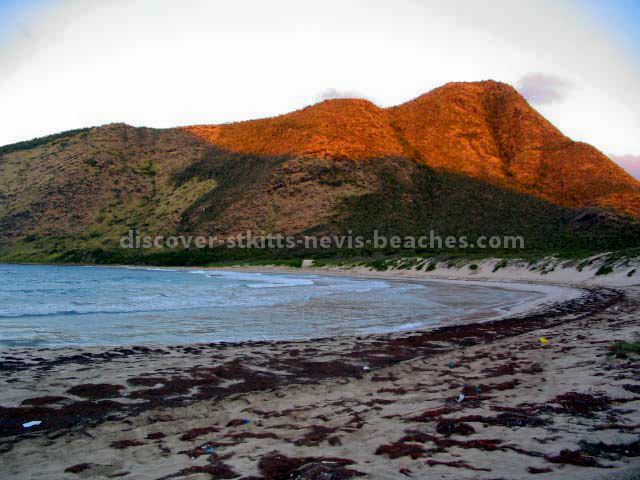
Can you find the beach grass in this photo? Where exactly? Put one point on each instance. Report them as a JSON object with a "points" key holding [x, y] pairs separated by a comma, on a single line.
{"points": [[623, 349]]}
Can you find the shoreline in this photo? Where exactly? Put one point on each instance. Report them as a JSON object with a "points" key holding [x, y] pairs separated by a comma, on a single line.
{"points": [[552, 292], [549, 269], [386, 404], [546, 271], [546, 294]]}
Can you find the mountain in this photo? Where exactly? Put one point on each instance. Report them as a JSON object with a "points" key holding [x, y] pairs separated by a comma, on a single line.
{"points": [[465, 158], [486, 130]]}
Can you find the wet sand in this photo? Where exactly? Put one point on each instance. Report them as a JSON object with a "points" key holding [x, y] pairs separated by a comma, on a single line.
{"points": [[479, 401]]}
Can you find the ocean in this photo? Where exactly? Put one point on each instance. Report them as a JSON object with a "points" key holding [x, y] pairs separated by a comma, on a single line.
{"points": [[66, 306]]}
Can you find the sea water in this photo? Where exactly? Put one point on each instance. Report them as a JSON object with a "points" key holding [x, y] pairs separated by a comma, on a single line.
{"points": [[56, 306]]}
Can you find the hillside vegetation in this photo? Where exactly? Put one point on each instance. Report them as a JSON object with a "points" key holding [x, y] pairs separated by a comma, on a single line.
{"points": [[464, 160]]}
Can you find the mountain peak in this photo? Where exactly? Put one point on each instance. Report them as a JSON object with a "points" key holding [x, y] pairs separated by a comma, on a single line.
{"points": [[336, 128], [484, 129], [344, 102], [482, 87]]}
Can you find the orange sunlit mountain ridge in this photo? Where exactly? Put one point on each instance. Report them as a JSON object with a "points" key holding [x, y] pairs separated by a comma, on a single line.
{"points": [[486, 130]]}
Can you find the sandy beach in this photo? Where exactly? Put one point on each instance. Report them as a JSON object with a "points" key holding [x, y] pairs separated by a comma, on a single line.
{"points": [[476, 401], [303, 240]]}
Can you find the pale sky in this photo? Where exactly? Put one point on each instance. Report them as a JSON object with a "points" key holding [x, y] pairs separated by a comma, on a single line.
{"points": [[162, 63]]}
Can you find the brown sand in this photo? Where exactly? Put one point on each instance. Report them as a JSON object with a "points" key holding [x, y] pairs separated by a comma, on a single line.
{"points": [[380, 406]]}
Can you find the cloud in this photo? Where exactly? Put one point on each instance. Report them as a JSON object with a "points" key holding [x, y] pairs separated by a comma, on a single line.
{"points": [[631, 163], [330, 93], [165, 65], [542, 89]]}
